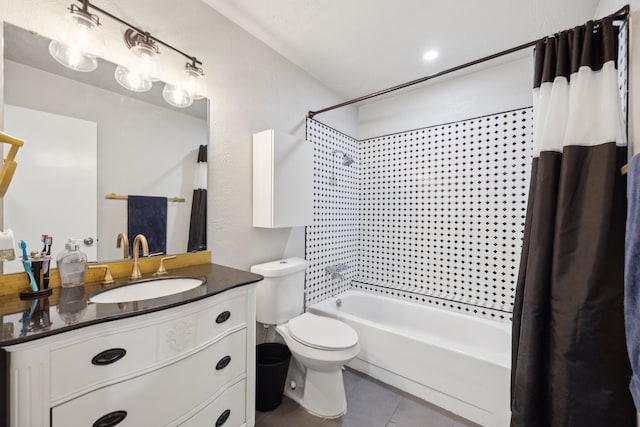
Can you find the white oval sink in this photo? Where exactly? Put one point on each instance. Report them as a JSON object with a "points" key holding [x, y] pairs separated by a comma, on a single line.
{"points": [[147, 290]]}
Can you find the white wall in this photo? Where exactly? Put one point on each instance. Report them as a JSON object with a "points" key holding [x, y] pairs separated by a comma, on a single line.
{"points": [[606, 7], [251, 88], [491, 90]]}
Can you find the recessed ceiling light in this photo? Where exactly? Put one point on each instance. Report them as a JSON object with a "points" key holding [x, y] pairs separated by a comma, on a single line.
{"points": [[430, 55]]}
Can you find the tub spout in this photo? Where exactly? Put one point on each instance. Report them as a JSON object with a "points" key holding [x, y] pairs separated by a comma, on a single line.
{"points": [[336, 270]]}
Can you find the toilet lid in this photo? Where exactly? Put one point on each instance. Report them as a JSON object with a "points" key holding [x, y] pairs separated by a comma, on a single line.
{"points": [[322, 332]]}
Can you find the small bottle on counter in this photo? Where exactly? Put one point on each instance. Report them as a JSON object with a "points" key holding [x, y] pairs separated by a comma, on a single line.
{"points": [[72, 264]]}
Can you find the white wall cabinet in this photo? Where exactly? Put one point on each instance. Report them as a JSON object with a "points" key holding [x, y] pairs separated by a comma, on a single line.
{"points": [[282, 180], [190, 365]]}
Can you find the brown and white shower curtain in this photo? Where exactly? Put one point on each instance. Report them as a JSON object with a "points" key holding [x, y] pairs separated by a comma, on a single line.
{"points": [[569, 361]]}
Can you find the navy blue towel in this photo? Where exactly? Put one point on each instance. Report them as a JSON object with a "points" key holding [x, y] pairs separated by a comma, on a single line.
{"points": [[148, 215], [632, 276]]}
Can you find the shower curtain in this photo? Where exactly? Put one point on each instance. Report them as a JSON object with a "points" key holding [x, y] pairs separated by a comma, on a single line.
{"points": [[198, 224], [569, 361]]}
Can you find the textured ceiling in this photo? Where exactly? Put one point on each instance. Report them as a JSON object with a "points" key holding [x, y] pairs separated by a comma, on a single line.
{"points": [[357, 47]]}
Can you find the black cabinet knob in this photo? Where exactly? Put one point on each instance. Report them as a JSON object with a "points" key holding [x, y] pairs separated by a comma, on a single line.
{"points": [[111, 419], [222, 363], [109, 356], [223, 317], [223, 418]]}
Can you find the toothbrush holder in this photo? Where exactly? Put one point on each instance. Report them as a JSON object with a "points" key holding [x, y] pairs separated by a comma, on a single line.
{"points": [[38, 273]]}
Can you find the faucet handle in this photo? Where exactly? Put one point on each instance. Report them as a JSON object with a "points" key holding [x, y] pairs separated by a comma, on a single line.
{"points": [[108, 278], [336, 270], [161, 269]]}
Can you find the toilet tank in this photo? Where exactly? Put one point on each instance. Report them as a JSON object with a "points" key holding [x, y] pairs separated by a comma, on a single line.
{"points": [[280, 296]]}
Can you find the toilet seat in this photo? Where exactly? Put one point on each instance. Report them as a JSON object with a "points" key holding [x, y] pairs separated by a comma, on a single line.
{"points": [[322, 333]]}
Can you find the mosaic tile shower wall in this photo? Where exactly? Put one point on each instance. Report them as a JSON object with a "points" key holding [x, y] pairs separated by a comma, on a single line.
{"points": [[623, 70], [443, 210], [433, 215], [333, 238]]}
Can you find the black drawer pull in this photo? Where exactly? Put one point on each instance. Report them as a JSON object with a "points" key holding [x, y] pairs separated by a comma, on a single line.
{"points": [[223, 418], [223, 363], [223, 317], [111, 419], [108, 357]]}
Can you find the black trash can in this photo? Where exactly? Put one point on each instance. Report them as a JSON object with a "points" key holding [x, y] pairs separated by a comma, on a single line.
{"points": [[272, 361]]}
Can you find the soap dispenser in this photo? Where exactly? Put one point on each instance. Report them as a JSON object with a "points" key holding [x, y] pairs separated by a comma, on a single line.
{"points": [[72, 264]]}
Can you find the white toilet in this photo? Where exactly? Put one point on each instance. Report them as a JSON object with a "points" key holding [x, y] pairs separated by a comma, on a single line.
{"points": [[320, 345]]}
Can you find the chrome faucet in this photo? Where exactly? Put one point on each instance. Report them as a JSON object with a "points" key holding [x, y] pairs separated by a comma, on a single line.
{"points": [[135, 272], [336, 270], [123, 241]]}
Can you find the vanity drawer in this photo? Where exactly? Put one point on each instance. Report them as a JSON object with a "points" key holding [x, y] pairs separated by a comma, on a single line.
{"points": [[163, 395], [226, 411], [105, 357], [82, 366], [216, 320]]}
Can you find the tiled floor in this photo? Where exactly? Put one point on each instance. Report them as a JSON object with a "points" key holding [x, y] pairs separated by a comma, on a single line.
{"points": [[370, 403]]}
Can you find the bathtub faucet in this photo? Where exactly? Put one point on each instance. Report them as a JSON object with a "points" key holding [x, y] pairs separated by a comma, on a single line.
{"points": [[336, 270]]}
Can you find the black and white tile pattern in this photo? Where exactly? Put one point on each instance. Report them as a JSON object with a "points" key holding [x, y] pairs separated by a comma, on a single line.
{"points": [[442, 212], [433, 215], [623, 84], [333, 237]]}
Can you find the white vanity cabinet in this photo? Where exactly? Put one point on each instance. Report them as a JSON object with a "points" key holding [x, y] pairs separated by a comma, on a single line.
{"points": [[190, 365]]}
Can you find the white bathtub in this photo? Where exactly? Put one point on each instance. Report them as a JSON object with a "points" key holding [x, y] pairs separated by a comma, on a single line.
{"points": [[458, 362]]}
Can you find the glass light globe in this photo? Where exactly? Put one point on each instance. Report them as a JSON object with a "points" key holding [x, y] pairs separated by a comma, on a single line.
{"points": [[78, 42], [131, 80], [72, 58], [194, 81], [145, 62], [176, 96]]}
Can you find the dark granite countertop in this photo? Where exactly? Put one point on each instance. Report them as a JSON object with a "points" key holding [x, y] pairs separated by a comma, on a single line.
{"points": [[68, 308]]}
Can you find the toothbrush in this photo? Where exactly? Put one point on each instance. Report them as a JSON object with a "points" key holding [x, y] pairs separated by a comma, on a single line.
{"points": [[36, 267], [27, 266], [26, 318]]}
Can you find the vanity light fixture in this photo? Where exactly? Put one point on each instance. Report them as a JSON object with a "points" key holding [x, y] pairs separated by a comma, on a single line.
{"points": [[176, 96], [79, 44], [192, 87], [79, 40], [132, 80], [194, 82], [142, 70]]}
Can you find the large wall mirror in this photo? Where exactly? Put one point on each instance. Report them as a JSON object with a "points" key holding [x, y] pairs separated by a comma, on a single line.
{"points": [[119, 142]]}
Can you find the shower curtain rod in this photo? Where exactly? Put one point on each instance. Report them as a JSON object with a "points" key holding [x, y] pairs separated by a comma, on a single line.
{"points": [[619, 15]]}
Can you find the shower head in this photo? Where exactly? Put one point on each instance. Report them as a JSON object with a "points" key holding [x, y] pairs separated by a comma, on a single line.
{"points": [[346, 159]]}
